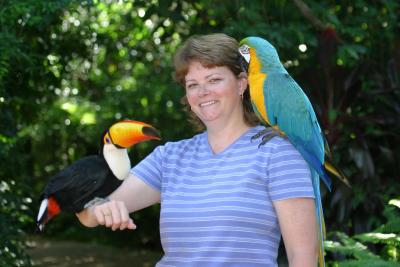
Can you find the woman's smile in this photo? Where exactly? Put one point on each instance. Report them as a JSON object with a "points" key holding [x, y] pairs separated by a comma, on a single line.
{"points": [[208, 103], [214, 93]]}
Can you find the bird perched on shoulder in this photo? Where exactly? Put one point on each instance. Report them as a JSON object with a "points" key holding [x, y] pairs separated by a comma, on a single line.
{"points": [[92, 178], [279, 102]]}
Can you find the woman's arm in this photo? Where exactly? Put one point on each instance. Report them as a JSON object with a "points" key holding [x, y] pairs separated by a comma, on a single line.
{"points": [[132, 195], [297, 220]]}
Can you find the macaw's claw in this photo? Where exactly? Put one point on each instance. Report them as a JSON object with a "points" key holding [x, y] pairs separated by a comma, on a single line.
{"points": [[267, 134]]}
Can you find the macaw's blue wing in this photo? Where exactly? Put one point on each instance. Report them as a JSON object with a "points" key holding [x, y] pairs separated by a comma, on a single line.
{"points": [[289, 108]]}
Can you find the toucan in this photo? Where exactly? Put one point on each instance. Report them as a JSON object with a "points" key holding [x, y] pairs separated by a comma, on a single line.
{"points": [[95, 176]]}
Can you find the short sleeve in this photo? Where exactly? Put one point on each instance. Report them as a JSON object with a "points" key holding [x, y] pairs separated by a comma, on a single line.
{"points": [[289, 174], [149, 170]]}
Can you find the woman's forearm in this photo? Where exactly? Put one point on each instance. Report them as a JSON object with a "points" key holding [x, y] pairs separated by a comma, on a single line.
{"points": [[303, 259]]}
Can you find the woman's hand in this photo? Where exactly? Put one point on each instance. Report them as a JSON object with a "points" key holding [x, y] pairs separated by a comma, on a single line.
{"points": [[113, 214], [132, 195]]}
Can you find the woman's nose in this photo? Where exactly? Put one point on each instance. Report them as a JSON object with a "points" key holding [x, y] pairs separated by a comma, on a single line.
{"points": [[203, 90]]}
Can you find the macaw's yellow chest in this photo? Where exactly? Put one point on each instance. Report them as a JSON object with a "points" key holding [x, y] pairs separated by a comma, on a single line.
{"points": [[256, 84]]}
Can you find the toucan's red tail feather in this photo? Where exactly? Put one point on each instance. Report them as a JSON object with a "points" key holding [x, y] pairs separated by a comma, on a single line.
{"points": [[53, 207], [48, 209]]}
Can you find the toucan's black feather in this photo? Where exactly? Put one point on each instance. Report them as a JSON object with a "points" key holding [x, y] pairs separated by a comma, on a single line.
{"points": [[76, 185]]}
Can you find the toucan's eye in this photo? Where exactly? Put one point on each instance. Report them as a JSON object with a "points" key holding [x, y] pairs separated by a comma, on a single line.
{"points": [[108, 140]]}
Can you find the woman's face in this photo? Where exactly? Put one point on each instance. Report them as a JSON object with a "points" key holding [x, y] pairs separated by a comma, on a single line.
{"points": [[214, 94]]}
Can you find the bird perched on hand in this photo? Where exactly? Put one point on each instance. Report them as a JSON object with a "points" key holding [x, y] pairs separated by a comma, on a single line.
{"points": [[93, 177], [279, 102]]}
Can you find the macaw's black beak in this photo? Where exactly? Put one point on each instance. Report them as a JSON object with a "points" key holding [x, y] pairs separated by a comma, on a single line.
{"points": [[244, 65]]}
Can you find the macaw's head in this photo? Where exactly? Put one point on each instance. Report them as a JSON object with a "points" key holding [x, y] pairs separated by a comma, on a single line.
{"points": [[259, 53], [125, 134]]}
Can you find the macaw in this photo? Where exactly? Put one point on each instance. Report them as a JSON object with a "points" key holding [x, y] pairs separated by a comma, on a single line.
{"points": [[92, 178], [279, 102]]}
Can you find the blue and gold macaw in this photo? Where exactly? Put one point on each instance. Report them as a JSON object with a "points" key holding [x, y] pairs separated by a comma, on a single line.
{"points": [[279, 102]]}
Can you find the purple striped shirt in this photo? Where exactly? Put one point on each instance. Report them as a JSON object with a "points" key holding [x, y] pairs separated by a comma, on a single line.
{"points": [[217, 209]]}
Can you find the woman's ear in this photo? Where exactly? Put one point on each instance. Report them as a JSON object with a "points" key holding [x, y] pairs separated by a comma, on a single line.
{"points": [[242, 75], [243, 82]]}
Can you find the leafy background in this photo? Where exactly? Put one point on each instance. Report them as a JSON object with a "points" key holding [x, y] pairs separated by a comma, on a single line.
{"points": [[68, 69]]}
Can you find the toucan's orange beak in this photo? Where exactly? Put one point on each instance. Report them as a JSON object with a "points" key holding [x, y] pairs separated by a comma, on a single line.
{"points": [[127, 133]]}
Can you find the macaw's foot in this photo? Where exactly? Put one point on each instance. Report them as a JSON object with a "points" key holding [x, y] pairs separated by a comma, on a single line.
{"points": [[267, 134]]}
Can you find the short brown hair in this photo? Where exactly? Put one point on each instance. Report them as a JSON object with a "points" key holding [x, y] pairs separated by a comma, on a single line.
{"points": [[211, 50]]}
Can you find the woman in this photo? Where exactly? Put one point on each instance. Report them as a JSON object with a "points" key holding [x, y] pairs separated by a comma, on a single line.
{"points": [[225, 201]]}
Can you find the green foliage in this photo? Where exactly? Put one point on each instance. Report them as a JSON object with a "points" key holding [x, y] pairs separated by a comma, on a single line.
{"points": [[68, 69], [13, 206], [23, 27], [378, 248]]}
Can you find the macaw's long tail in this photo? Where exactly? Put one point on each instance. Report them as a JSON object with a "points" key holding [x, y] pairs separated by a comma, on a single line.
{"points": [[328, 165], [320, 217]]}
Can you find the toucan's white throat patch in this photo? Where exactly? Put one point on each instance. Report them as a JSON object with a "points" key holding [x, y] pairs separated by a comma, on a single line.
{"points": [[118, 160]]}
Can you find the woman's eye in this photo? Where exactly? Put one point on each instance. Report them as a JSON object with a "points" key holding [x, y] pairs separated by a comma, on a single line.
{"points": [[191, 86], [215, 80]]}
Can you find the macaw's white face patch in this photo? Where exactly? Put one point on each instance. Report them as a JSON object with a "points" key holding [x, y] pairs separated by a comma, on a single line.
{"points": [[244, 50]]}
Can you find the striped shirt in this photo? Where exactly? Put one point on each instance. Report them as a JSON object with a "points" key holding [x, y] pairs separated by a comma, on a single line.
{"points": [[217, 209]]}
